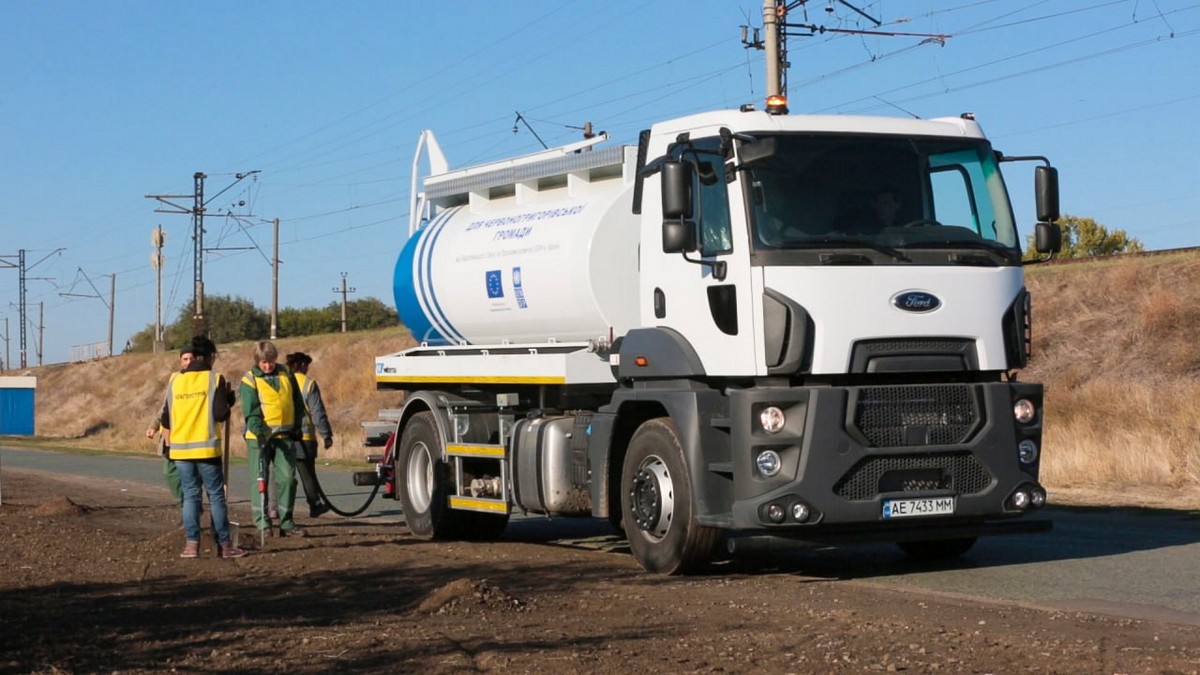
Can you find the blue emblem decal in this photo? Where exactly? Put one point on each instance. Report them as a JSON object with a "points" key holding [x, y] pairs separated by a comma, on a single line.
{"points": [[495, 288], [916, 301]]}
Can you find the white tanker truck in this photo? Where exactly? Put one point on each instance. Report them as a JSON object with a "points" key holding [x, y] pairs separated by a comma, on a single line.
{"points": [[723, 333]]}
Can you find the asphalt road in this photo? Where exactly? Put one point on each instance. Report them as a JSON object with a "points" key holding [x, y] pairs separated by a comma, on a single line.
{"points": [[1137, 563]]}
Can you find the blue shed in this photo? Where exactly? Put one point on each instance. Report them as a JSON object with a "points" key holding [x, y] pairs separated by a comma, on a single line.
{"points": [[17, 405]]}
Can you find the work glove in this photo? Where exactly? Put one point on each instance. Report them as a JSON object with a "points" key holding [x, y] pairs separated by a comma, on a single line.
{"points": [[328, 443]]}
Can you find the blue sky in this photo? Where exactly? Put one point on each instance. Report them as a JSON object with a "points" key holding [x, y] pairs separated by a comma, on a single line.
{"points": [[103, 103]]}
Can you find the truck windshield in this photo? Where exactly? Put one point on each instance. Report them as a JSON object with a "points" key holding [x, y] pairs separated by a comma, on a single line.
{"points": [[926, 196]]}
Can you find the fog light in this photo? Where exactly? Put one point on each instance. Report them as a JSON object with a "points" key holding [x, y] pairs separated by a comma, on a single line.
{"points": [[799, 512], [1038, 497], [1020, 499], [775, 513], [1027, 451], [1024, 411], [772, 419], [768, 463]]}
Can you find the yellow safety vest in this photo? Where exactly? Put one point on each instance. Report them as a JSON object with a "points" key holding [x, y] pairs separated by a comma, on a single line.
{"points": [[306, 424], [194, 432], [277, 409]]}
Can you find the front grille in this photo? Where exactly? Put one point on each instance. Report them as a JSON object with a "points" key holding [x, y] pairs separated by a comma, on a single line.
{"points": [[890, 417], [960, 472]]}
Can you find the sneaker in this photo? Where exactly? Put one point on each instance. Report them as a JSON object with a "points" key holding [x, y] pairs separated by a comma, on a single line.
{"points": [[294, 532], [191, 549], [228, 550], [317, 509]]}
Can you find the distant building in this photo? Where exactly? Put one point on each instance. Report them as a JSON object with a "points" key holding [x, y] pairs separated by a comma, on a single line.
{"points": [[17, 405]]}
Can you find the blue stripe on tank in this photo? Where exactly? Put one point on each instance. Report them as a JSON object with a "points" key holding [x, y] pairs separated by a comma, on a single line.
{"points": [[425, 275], [412, 286]]}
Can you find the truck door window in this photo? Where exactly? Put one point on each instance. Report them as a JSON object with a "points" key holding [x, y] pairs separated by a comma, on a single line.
{"points": [[712, 196]]}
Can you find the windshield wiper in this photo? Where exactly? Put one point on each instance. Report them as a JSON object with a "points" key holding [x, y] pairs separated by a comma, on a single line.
{"points": [[997, 250], [847, 242]]}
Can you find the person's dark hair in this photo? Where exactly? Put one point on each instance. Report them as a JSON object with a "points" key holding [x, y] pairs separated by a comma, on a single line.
{"points": [[298, 359], [203, 347]]}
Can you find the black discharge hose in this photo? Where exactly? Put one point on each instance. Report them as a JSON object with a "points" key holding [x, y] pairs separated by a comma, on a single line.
{"points": [[346, 514], [379, 480]]}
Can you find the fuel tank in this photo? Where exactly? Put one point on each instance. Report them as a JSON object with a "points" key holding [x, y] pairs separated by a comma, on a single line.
{"points": [[553, 265]]}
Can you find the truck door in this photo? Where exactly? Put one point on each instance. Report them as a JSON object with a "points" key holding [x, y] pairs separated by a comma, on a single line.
{"points": [[708, 305]]}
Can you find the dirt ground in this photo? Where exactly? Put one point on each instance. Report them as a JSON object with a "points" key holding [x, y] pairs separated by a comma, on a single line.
{"points": [[90, 582]]}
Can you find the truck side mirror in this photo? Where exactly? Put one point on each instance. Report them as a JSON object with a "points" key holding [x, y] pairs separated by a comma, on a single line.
{"points": [[1048, 238], [678, 236], [678, 230], [1045, 185], [676, 190]]}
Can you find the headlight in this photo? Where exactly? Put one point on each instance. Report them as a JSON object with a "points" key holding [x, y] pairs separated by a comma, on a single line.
{"points": [[800, 511], [768, 463], [775, 513], [772, 419], [1024, 411], [1027, 451]]}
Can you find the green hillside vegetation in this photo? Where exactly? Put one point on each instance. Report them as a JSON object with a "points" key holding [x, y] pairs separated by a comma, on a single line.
{"points": [[1113, 341]]}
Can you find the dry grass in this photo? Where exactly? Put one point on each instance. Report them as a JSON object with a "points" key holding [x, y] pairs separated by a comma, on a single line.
{"points": [[1114, 342]]}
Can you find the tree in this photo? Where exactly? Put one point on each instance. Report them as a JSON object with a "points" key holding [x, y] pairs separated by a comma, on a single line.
{"points": [[1085, 238], [236, 319], [365, 314]]}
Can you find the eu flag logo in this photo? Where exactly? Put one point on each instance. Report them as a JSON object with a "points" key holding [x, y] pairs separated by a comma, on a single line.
{"points": [[495, 288]]}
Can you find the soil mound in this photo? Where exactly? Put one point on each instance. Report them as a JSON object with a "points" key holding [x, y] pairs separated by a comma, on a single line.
{"points": [[60, 506], [463, 595]]}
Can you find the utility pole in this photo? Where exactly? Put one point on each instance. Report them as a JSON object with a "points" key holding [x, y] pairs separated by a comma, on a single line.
{"points": [[23, 278], [776, 48], [7, 359], [158, 238], [197, 212], [112, 307], [344, 290], [275, 282], [41, 328]]}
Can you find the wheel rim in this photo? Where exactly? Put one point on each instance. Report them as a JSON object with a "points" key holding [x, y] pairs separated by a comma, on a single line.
{"points": [[419, 477], [652, 498]]}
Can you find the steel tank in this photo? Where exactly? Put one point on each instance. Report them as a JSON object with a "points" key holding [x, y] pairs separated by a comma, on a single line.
{"points": [[551, 270]]}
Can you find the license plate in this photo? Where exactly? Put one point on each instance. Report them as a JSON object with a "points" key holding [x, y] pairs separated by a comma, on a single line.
{"points": [[906, 508]]}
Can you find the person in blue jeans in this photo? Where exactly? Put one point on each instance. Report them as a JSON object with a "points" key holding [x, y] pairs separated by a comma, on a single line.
{"points": [[198, 402]]}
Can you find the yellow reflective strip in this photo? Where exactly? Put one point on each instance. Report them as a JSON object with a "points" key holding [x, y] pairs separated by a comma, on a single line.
{"points": [[475, 450], [467, 379], [478, 504]]}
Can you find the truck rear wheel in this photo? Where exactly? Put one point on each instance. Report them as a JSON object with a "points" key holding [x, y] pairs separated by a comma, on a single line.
{"points": [[658, 503], [937, 549], [424, 481]]}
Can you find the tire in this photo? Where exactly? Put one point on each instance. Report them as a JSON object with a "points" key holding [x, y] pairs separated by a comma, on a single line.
{"points": [[658, 503], [937, 549], [424, 481]]}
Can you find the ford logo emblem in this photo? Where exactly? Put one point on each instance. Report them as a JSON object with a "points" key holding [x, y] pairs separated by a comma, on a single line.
{"points": [[916, 301]]}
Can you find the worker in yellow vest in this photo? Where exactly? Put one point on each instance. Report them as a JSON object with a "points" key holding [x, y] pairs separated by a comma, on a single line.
{"points": [[198, 402], [316, 421], [272, 402]]}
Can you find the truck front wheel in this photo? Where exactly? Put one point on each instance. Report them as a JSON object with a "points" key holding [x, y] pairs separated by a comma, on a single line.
{"points": [[658, 503], [424, 482]]}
